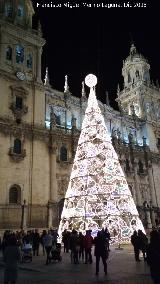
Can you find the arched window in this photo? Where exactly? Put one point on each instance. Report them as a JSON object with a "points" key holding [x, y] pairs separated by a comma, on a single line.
{"points": [[137, 74], [63, 154], [8, 10], [29, 61], [19, 54], [9, 53], [15, 194], [17, 146], [58, 119], [140, 165], [129, 78], [20, 11]]}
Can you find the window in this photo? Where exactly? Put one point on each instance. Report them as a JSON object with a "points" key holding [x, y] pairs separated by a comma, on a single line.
{"points": [[29, 61], [58, 119], [15, 194], [137, 73], [9, 53], [19, 54], [17, 146], [158, 141], [19, 102], [20, 12], [129, 78], [63, 154], [8, 11]]}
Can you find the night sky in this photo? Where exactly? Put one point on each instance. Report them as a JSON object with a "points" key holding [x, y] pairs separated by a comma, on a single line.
{"points": [[80, 41]]}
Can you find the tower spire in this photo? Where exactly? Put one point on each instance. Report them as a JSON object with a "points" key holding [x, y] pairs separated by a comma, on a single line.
{"points": [[39, 28], [107, 99], [66, 86], [46, 80]]}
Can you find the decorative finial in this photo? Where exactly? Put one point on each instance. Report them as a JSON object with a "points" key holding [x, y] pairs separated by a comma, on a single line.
{"points": [[39, 28], [83, 91], [46, 80], [107, 99], [66, 86], [133, 49]]}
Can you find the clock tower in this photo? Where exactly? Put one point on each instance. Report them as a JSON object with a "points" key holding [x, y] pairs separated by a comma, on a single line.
{"points": [[22, 115], [21, 46]]}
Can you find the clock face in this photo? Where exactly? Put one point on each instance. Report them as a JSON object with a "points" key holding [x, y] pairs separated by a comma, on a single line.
{"points": [[20, 75]]}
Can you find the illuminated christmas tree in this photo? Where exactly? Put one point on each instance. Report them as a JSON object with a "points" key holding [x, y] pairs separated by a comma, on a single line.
{"points": [[98, 195]]}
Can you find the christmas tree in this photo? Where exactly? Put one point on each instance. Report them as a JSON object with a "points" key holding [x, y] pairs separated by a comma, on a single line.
{"points": [[98, 195]]}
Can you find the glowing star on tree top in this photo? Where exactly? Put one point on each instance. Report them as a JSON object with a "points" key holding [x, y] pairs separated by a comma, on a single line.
{"points": [[91, 80]]}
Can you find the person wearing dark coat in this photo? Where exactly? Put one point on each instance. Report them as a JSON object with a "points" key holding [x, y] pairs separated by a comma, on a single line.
{"points": [[101, 251], [36, 242], [143, 243], [153, 256], [136, 245], [11, 258]]}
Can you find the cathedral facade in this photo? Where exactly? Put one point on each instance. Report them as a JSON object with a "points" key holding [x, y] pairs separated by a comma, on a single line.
{"points": [[40, 127]]}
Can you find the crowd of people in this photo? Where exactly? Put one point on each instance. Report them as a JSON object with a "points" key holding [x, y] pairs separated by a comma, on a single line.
{"points": [[81, 247], [150, 251], [78, 245]]}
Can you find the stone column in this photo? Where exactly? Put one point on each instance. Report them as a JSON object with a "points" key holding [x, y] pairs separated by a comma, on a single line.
{"points": [[138, 195], [53, 186], [53, 178], [39, 55], [152, 187], [50, 215]]}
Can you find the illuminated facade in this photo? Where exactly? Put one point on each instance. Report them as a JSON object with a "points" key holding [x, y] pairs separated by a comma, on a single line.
{"points": [[40, 128]]}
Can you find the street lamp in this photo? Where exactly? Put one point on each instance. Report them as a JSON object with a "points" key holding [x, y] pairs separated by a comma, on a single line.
{"points": [[23, 217]]}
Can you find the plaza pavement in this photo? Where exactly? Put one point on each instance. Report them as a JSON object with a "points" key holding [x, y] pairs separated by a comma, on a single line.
{"points": [[122, 269]]}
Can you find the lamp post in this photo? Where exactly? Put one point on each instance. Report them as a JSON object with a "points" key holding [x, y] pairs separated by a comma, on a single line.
{"points": [[23, 219]]}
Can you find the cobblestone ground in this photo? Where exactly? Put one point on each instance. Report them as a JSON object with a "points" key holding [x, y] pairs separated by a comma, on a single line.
{"points": [[122, 269]]}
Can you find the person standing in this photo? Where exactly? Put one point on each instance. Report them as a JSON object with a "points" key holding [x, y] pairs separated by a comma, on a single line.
{"points": [[36, 242], [11, 258], [143, 243], [153, 256], [101, 251], [136, 244], [88, 242], [47, 241]]}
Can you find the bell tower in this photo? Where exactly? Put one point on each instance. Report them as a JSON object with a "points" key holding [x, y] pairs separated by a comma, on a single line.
{"points": [[140, 96], [136, 75]]}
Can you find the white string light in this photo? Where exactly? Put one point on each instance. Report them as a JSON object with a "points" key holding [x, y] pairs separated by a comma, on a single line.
{"points": [[98, 194]]}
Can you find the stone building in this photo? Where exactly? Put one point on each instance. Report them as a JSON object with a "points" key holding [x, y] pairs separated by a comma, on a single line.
{"points": [[40, 126]]}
